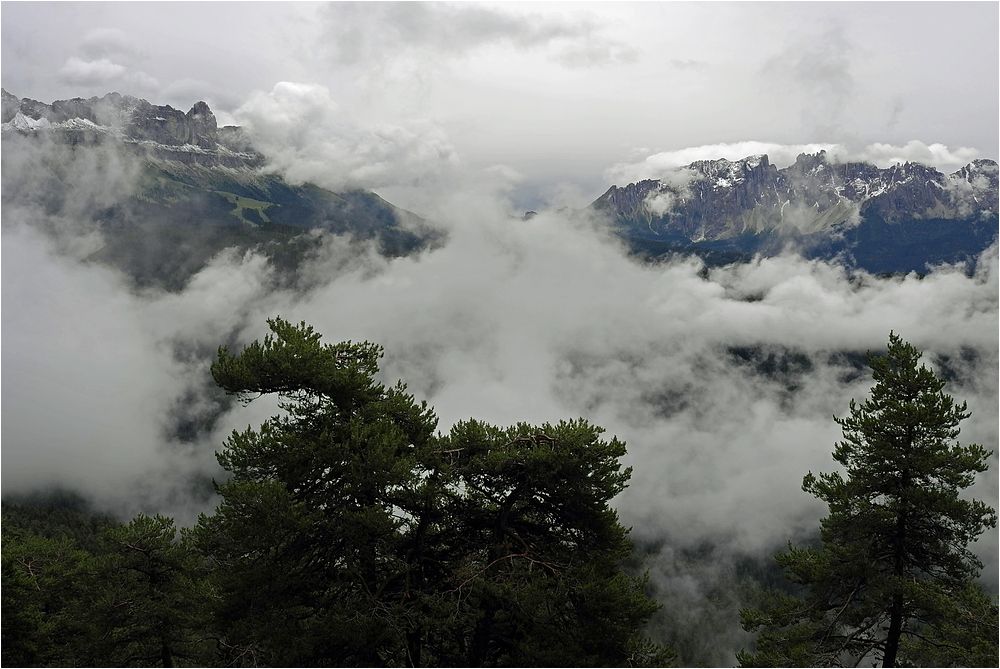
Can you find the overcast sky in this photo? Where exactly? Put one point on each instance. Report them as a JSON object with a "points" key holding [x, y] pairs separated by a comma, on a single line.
{"points": [[463, 112], [564, 98]]}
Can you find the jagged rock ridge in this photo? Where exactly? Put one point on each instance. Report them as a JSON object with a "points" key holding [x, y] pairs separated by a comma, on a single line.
{"points": [[186, 188], [158, 130], [720, 199], [821, 206]]}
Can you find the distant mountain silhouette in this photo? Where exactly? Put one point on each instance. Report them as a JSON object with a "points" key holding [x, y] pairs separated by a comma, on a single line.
{"points": [[196, 188], [902, 218]]}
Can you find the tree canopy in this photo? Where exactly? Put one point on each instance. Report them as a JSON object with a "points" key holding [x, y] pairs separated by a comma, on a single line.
{"points": [[350, 533], [893, 579]]}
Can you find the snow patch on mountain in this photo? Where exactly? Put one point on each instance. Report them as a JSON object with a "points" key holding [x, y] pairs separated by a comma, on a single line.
{"points": [[712, 200], [157, 132]]}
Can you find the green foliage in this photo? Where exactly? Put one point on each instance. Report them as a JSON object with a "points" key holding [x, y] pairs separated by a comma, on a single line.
{"points": [[57, 514], [136, 599], [349, 534], [893, 579], [966, 635], [43, 578], [148, 608]]}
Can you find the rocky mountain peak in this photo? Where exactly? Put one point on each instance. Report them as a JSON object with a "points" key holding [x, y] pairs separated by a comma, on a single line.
{"points": [[721, 199], [168, 133], [980, 174], [730, 169], [806, 163], [172, 127], [10, 106]]}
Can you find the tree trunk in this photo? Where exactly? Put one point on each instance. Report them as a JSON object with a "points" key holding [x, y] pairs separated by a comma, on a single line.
{"points": [[481, 635], [413, 644], [895, 631], [899, 571], [166, 656]]}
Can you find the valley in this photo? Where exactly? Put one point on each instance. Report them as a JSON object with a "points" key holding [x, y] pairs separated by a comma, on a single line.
{"points": [[713, 321]]}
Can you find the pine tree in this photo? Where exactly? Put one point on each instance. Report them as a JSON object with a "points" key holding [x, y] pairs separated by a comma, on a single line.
{"points": [[894, 564], [351, 534], [534, 551], [148, 607], [307, 540], [42, 580]]}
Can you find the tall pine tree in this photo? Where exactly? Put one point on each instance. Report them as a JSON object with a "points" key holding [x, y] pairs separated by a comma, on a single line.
{"points": [[349, 534], [893, 578]]}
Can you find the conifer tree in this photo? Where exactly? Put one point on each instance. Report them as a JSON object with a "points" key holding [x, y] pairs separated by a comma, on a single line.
{"points": [[42, 580], [349, 534], [894, 568], [148, 606]]}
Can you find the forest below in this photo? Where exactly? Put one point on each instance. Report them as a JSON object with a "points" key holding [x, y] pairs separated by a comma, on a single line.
{"points": [[350, 533], [636, 265]]}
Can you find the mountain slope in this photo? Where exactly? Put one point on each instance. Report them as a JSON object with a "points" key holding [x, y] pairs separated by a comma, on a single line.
{"points": [[902, 218], [168, 189]]}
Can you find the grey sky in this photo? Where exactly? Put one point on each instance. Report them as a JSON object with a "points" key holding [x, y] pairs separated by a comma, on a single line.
{"points": [[570, 96], [464, 113]]}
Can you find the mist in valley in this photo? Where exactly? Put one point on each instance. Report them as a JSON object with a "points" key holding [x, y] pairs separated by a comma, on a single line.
{"points": [[723, 381]]}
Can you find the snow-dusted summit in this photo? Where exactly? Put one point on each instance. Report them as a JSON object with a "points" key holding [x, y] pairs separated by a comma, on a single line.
{"points": [[750, 206], [721, 199], [159, 131]]}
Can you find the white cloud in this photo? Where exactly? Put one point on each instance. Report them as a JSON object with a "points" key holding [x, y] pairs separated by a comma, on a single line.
{"points": [[659, 203], [110, 43], [543, 319], [938, 155], [817, 73], [305, 136], [104, 72], [90, 72], [596, 53], [140, 81], [189, 89], [660, 165], [85, 387], [107, 58], [373, 33]]}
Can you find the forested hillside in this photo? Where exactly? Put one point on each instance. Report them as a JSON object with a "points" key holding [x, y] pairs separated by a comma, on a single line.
{"points": [[351, 533]]}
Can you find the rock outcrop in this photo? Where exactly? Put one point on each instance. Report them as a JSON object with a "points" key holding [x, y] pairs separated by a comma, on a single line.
{"points": [[720, 199], [172, 189], [160, 130]]}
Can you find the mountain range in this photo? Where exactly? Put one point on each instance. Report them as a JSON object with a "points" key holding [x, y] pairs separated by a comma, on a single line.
{"points": [[198, 188], [195, 188], [897, 219]]}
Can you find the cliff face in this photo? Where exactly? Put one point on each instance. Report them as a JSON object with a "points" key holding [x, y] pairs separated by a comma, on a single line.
{"points": [[169, 126], [160, 131]]}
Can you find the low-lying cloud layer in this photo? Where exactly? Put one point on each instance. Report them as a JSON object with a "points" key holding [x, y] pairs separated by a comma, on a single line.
{"points": [[306, 137], [721, 381]]}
